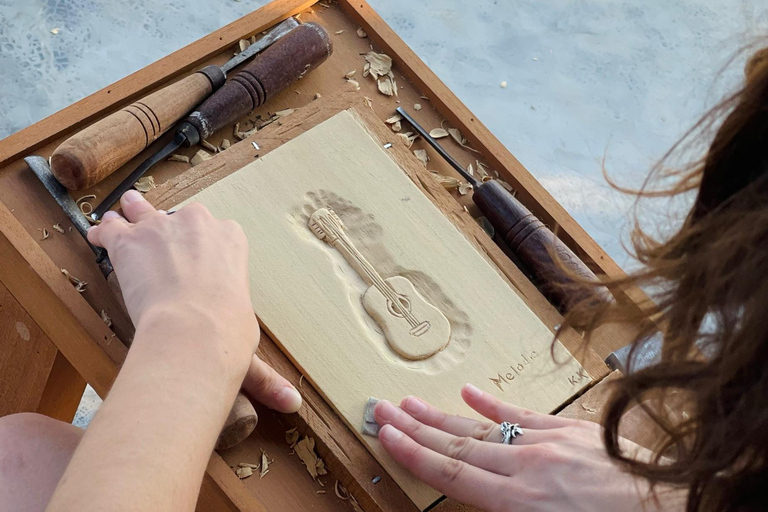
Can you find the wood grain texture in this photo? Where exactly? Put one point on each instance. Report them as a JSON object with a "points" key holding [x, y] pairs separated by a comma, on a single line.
{"points": [[311, 304], [26, 357], [63, 391]]}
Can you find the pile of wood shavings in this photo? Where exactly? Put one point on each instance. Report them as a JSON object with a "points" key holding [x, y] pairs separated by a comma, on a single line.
{"points": [[379, 67], [78, 284], [144, 184], [343, 494], [246, 469]]}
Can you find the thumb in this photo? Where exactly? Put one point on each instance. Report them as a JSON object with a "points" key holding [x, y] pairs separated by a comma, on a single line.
{"points": [[270, 388]]}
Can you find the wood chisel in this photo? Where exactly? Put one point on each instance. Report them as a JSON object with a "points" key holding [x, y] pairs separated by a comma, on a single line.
{"points": [[525, 235], [286, 61], [242, 418], [99, 150]]}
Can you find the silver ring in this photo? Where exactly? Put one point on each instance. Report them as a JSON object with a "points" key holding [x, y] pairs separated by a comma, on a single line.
{"points": [[510, 431]]}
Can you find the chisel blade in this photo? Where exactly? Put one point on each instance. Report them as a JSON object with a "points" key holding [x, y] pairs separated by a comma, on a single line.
{"points": [[270, 37]]}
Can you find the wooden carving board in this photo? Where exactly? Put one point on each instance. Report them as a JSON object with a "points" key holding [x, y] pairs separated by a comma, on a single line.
{"points": [[310, 298]]}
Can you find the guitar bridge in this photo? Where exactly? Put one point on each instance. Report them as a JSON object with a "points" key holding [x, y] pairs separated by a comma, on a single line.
{"points": [[420, 329]]}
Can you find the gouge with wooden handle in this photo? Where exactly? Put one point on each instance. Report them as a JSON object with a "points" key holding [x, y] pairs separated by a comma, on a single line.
{"points": [[242, 417], [99, 150]]}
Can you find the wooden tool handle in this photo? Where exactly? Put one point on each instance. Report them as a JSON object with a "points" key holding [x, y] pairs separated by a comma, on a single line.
{"points": [[533, 242], [99, 150], [286, 61]]}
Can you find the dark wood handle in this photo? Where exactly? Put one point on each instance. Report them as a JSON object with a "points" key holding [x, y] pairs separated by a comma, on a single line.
{"points": [[533, 243], [287, 60], [100, 149]]}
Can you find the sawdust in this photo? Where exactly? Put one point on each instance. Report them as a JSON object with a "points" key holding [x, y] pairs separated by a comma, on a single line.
{"points": [[105, 318], [78, 284], [179, 158], [145, 184], [438, 133], [421, 154], [201, 156], [361, 33], [58, 228], [305, 449]]}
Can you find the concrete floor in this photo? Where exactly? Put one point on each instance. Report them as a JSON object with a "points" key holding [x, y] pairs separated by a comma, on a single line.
{"points": [[620, 79]]}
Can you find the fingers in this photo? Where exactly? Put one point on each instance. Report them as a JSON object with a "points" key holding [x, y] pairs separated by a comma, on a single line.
{"points": [[270, 388], [494, 457], [135, 207], [498, 411], [456, 425], [452, 477], [112, 224]]}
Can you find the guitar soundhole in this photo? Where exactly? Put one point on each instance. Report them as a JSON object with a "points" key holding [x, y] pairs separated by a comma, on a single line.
{"points": [[403, 305]]}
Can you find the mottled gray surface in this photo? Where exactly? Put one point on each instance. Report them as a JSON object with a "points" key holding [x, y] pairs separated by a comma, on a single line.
{"points": [[586, 79]]}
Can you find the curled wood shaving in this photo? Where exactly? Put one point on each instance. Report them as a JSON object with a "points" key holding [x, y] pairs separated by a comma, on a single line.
{"points": [[341, 492], [421, 154], [361, 33], [339, 32], [244, 472], [448, 182], [387, 86], [464, 188], [470, 170], [79, 285], [354, 83], [396, 127], [286, 112], [366, 69], [305, 449], [45, 233], [210, 147], [350, 74], [589, 409], [457, 136], [367, 101], [292, 436], [105, 318], [482, 169], [146, 183], [225, 144], [264, 464], [58, 228], [417, 106], [438, 133], [178, 158], [244, 44], [201, 156], [85, 207], [380, 64], [394, 119], [318, 96]]}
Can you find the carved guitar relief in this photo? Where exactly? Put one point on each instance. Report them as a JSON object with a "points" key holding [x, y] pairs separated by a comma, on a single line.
{"points": [[414, 328]]}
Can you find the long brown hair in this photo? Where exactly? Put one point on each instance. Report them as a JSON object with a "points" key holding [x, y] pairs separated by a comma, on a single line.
{"points": [[709, 287]]}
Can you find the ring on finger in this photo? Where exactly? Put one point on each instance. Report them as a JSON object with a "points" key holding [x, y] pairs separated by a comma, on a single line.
{"points": [[510, 431]]}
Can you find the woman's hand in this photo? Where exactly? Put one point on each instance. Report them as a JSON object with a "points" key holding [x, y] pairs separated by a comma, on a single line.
{"points": [[558, 464], [190, 268]]}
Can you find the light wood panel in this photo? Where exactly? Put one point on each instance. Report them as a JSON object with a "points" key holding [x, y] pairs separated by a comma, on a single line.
{"points": [[309, 298]]}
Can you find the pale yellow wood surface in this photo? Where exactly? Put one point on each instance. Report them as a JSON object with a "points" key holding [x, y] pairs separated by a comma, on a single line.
{"points": [[309, 297]]}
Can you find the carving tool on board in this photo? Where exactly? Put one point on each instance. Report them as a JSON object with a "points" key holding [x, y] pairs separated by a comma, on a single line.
{"points": [[286, 61], [100, 149], [526, 235], [242, 418]]}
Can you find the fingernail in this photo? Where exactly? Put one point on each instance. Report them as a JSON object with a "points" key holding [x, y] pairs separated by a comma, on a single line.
{"points": [[414, 405], [132, 196], [390, 434], [289, 399], [472, 391], [386, 410]]}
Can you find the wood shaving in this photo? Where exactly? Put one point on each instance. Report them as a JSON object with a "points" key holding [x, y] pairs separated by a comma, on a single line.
{"points": [[244, 472], [470, 170], [366, 69], [210, 147], [589, 409], [178, 158], [320, 492], [305, 449], [387, 86], [292, 436], [105, 318], [264, 464], [146, 183], [58, 228], [421, 154], [45, 233], [448, 182], [464, 188], [438, 133], [506, 185], [368, 102], [504, 84], [350, 74], [244, 44], [407, 138], [396, 127], [301, 379], [55, 31], [482, 169], [341, 492], [286, 112], [424, 98], [201, 156], [394, 119], [457, 136], [380, 64], [339, 32], [225, 144], [355, 83], [79, 284], [361, 33], [318, 96], [417, 106]]}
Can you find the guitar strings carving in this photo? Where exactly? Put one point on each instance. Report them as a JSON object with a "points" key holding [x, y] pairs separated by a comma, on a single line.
{"points": [[414, 328]]}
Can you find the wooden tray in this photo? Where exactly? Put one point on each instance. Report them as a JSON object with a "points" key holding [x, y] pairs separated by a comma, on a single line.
{"points": [[69, 339]]}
